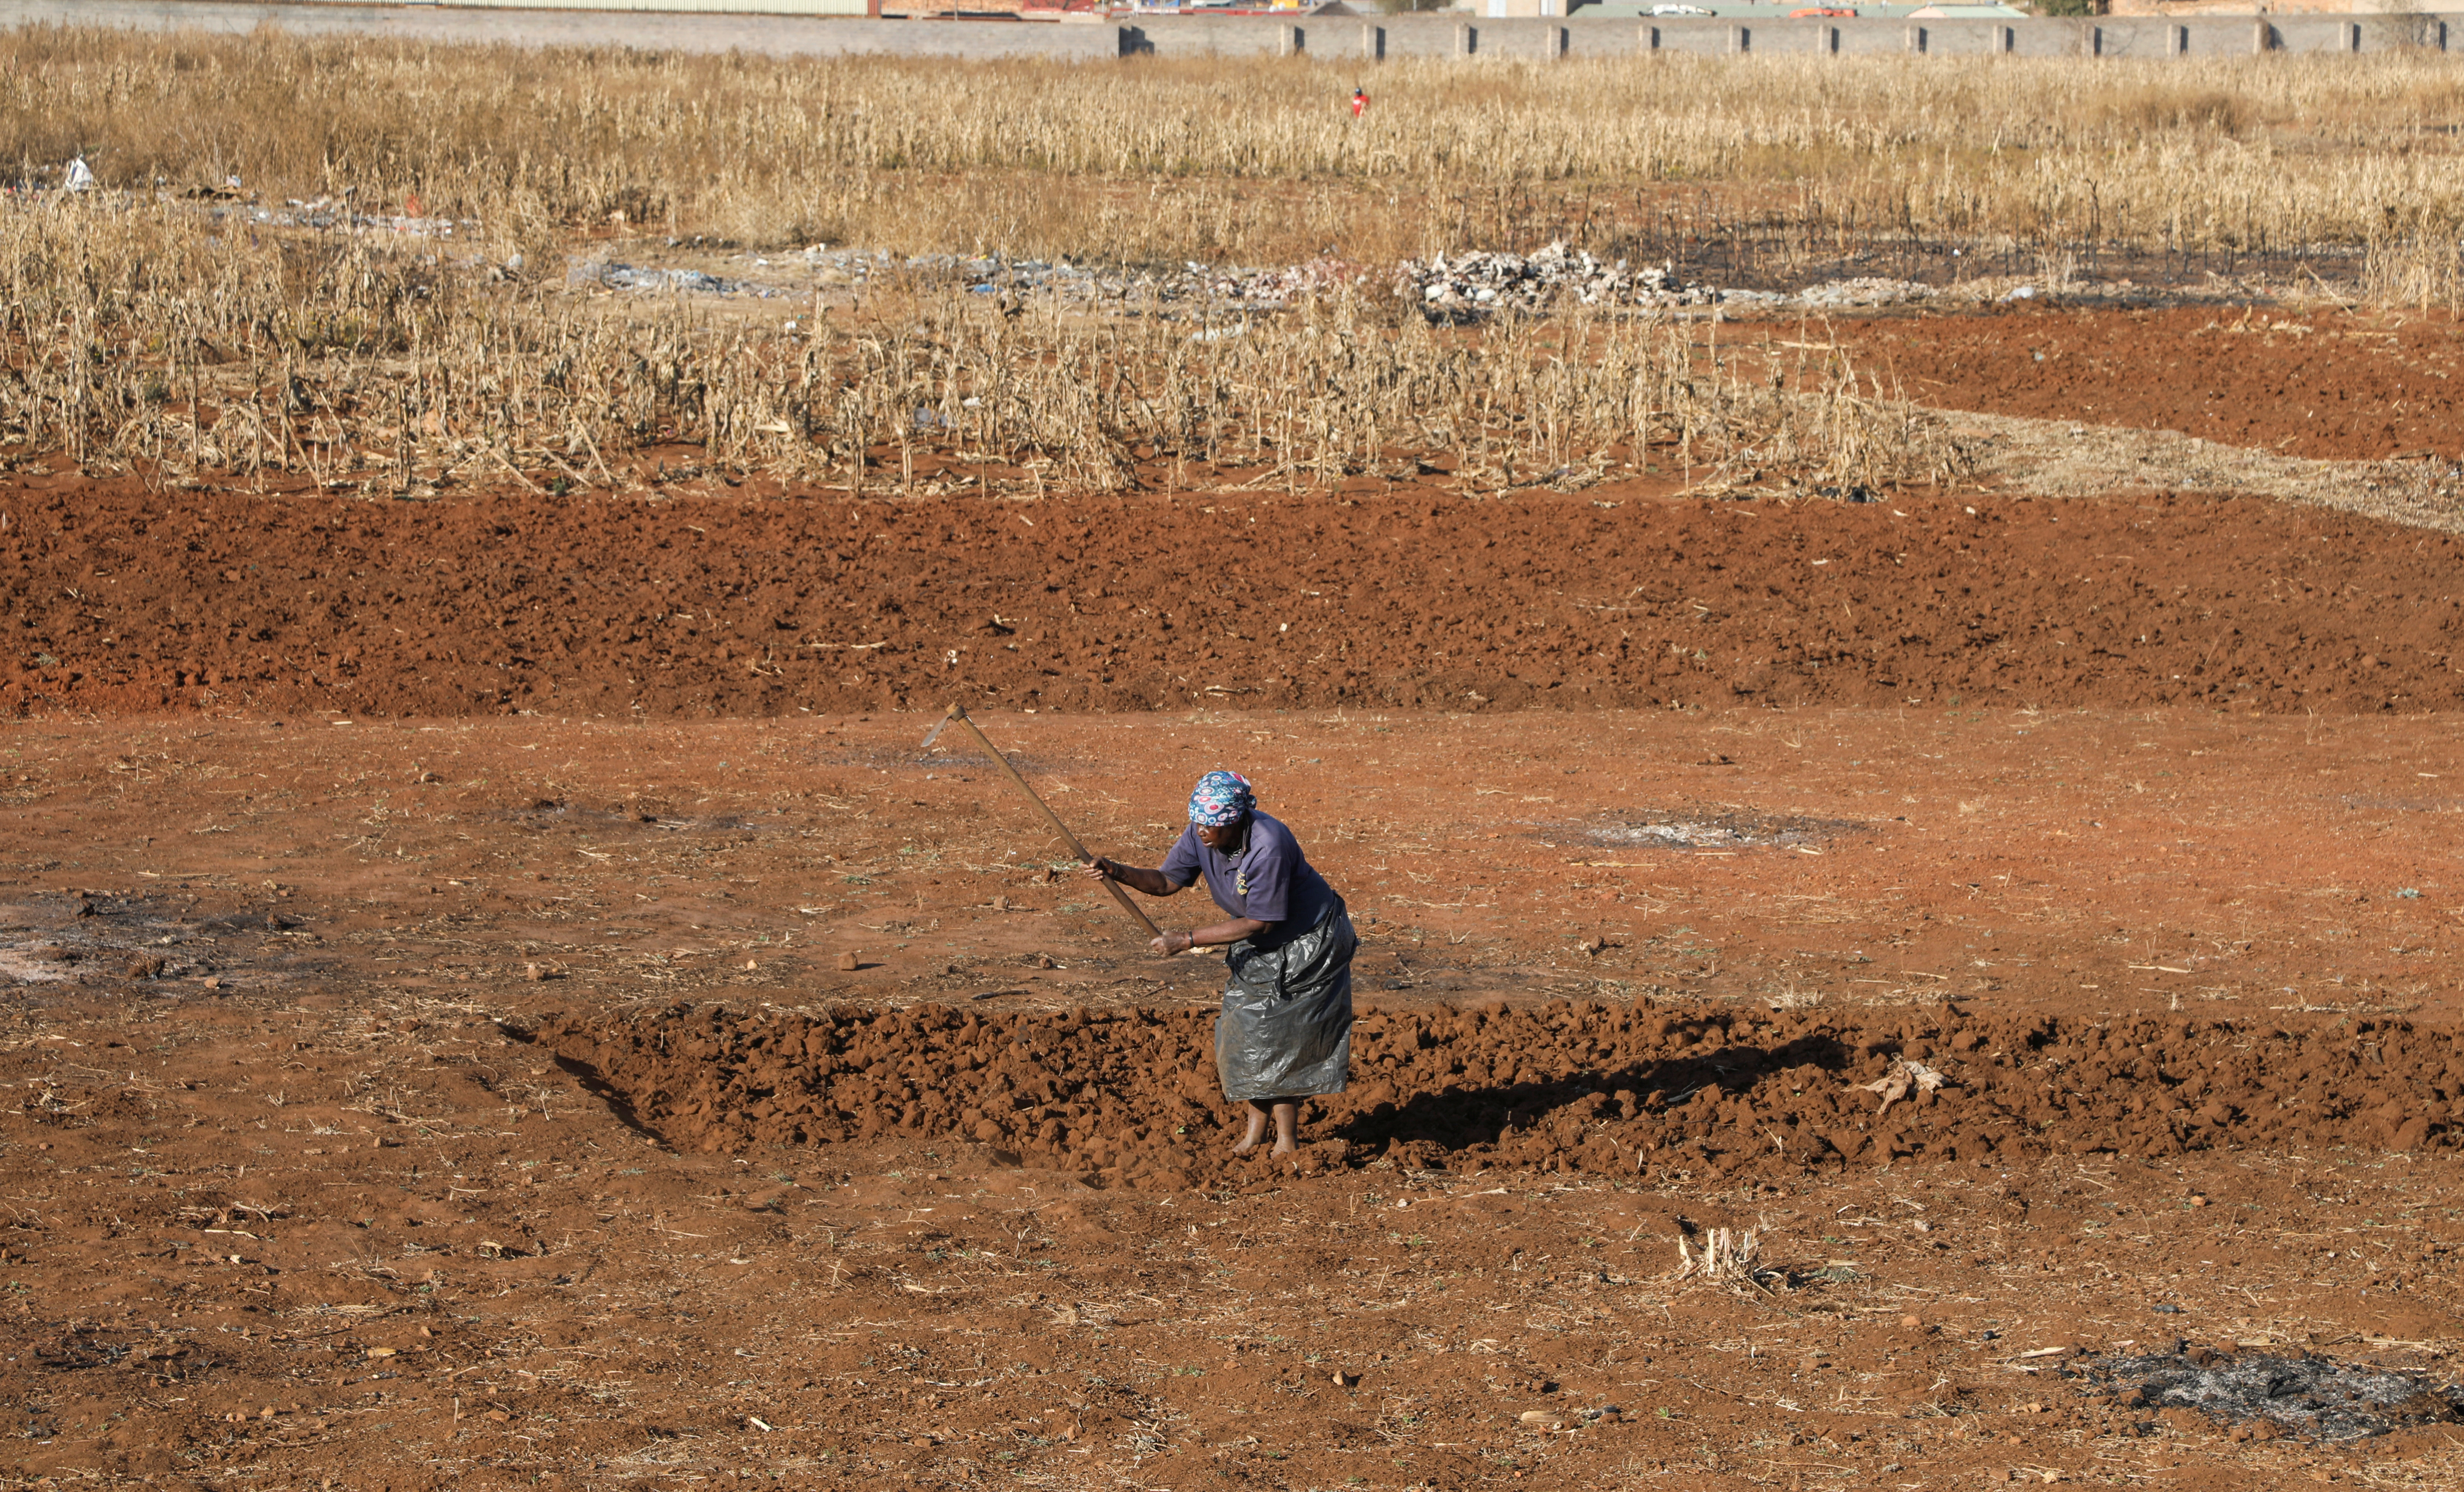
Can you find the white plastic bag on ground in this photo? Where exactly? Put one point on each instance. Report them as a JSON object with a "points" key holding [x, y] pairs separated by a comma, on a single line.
{"points": [[80, 178]]}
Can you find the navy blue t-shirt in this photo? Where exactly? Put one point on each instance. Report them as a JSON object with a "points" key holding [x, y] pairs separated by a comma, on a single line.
{"points": [[1268, 879]]}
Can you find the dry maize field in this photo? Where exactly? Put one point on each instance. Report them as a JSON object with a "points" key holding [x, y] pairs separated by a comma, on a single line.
{"points": [[1870, 647]]}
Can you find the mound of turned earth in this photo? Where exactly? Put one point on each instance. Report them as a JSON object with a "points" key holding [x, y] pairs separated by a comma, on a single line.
{"points": [[121, 602], [1131, 1097]]}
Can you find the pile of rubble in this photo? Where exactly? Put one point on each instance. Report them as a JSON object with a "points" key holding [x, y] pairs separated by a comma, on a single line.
{"points": [[1481, 283]]}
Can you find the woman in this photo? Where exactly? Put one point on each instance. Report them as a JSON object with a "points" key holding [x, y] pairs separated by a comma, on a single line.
{"points": [[1286, 1031]]}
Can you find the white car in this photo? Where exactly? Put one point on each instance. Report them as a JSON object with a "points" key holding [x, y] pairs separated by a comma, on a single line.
{"points": [[1681, 10]]}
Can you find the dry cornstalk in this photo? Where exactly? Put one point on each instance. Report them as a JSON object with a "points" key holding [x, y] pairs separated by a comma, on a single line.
{"points": [[1730, 1256]]}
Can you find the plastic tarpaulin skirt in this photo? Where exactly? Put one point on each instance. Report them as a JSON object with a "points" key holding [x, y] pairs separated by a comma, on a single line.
{"points": [[1286, 1031]]}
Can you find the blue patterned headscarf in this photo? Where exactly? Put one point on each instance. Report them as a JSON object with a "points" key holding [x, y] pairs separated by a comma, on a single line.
{"points": [[1220, 799]]}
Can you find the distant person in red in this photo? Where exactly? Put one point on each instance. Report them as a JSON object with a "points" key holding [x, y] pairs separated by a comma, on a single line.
{"points": [[1359, 101]]}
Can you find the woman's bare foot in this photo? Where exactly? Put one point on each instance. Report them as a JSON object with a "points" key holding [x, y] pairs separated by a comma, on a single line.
{"points": [[1284, 1112], [1286, 1121], [1256, 1131]]}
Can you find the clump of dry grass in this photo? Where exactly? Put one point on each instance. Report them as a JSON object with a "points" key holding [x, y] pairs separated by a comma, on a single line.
{"points": [[1770, 161], [1730, 1256], [2417, 257], [144, 335]]}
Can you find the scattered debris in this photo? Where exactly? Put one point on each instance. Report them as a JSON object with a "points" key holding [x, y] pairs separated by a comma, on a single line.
{"points": [[625, 276], [1836, 295], [1906, 1075], [1192, 286], [228, 201], [1464, 286]]}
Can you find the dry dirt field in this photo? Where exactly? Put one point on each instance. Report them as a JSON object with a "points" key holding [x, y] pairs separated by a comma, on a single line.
{"points": [[428, 1058], [494, 994]]}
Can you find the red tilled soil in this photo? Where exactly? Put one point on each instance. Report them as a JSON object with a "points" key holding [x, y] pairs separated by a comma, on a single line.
{"points": [[357, 1079], [381, 1244], [2326, 385], [120, 601], [1616, 1090]]}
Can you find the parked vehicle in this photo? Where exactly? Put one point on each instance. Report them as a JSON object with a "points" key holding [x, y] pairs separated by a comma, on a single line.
{"points": [[1681, 10]]}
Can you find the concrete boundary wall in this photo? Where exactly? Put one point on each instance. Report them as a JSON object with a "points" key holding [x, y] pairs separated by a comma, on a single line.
{"points": [[1372, 39], [1344, 39]]}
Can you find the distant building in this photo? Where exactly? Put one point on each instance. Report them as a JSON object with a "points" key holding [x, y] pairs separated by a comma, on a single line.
{"points": [[2258, 8], [723, 7]]}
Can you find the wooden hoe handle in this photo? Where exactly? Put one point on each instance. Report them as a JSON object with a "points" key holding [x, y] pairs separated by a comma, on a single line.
{"points": [[958, 712]]}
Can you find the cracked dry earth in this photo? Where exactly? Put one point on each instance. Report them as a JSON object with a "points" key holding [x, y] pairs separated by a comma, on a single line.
{"points": [[410, 1105]]}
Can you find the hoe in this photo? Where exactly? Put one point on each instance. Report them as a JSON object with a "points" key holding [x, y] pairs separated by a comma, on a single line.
{"points": [[958, 712]]}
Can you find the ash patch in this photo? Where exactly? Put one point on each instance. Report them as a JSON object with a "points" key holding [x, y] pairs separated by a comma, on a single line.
{"points": [[68, 939], [2310, 1395], [1729, 830]]}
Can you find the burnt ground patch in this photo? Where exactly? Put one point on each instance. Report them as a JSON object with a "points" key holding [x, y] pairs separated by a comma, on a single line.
{"points": [[2261, 1395]]}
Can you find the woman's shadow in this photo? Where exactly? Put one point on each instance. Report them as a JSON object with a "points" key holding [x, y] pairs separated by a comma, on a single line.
{"points": [[1454, 1116]]}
